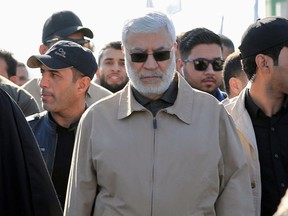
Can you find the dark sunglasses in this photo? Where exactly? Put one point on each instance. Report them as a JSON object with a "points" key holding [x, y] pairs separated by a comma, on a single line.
{"points": [[158, 56], [201, 64], [80, 41]]}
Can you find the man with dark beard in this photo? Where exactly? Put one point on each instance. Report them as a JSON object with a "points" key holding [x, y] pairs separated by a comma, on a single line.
{"points": [[111, 73], [142, 151]]}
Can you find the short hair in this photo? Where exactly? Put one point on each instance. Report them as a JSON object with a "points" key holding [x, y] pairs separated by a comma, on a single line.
{"points": [[227, 42], [232, 68], [113, 44], [249, 64], [10, 61], [197, 36], [150, 22], [21, 64]]}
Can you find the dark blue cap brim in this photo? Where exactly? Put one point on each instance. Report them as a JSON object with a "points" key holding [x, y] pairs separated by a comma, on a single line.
{"points": [[36, 61]]}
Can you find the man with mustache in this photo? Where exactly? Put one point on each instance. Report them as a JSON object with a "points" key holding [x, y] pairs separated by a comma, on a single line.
{"points": [[67, 69], [142, 150], [111, 73], [202, 60]]}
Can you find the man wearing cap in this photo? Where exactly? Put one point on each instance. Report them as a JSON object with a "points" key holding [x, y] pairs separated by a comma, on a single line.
{"points": [[261, 111], [67, 69], [65, 25]]}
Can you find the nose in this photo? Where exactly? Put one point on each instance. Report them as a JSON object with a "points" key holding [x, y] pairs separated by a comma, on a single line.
{"points": [[44, 81], [116, 68], [209, 69], [150, 63]]}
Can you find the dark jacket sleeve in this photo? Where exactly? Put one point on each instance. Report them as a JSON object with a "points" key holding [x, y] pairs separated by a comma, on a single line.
{"points": [[26, 188]]}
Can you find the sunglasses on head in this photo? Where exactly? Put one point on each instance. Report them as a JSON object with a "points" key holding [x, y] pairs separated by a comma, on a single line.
{"points": [[80, 41], [158, 56], [201, 64]]}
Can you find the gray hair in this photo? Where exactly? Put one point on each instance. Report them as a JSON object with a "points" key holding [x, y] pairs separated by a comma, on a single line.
{"points": [[149, 23]]}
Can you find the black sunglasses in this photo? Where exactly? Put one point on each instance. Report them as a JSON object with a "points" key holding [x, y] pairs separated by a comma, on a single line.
{"points": [[158, 56], [201, 64], [80, 41]]}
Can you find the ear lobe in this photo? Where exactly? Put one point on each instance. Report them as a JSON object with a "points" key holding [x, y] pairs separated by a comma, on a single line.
{"points": [[83, 84]]}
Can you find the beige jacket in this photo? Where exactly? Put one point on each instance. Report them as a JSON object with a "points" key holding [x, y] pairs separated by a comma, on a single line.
{"points": [[186, 161], [246, 133]]}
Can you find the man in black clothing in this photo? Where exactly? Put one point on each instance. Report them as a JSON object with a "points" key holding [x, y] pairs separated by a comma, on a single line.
{"points": [[261, 111], [25, 186]]}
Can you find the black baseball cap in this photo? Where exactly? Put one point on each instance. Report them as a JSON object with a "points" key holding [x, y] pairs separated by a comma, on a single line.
{"points": [[66, 54], [264, 34], [63, 24]]}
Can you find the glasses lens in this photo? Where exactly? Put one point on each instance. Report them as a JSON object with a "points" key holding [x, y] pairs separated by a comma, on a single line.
{"points": [[161, 56], [217, 65], [201, 65], [139, 57]]}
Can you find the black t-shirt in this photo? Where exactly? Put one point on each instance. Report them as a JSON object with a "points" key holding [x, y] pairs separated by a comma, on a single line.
{"points": [[62, 162]]}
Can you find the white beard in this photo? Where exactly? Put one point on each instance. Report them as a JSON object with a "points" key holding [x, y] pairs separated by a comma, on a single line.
{"points": [[167, 78]]}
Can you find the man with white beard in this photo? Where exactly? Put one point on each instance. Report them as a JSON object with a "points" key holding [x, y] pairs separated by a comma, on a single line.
{"points": [[145, 150]]}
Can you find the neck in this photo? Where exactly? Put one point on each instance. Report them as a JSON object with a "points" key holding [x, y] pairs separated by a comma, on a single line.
{"points": [[67, 117], [268, 100]]}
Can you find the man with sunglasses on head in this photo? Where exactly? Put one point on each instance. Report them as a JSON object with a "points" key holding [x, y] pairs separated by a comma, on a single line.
{"points": [[65, 25], [202, 61], [157, 147]]}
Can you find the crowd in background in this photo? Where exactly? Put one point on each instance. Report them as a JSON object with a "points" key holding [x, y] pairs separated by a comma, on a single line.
{"points": [[156, 124]]}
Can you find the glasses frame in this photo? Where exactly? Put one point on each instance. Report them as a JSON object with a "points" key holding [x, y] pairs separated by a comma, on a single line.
{"points": [[207, 62], [79, 41], [155, 56]]}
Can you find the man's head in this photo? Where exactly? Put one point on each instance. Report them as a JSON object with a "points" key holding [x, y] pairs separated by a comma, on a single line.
{"points": [[67, 69], [235, 78], [201, 59], [64, 25], [149, 42], [22, 74], [111, 71], [227, 45], [8, 65], [264, 45]]}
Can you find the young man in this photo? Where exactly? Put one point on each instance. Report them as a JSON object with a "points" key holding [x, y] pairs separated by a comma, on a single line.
{"points": [[111, 73], [67, 69], [65, 25], [142, 150], [235, 79], [202, 60], [23, 98], [261, 111]]}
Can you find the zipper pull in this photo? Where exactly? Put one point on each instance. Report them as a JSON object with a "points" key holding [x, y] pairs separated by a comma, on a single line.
{"points": [[154, 123]]}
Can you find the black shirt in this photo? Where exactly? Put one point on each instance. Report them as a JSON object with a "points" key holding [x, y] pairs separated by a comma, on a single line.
{"points": [[167, 99], [272, 143], [63, 156]]}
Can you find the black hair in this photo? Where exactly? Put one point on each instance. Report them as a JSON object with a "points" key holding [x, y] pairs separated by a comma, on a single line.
{"points": [[194, 37]]}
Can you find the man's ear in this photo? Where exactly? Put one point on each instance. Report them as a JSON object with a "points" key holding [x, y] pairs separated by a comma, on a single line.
{"points": [[14, 79], [83, 84], [42, 49]]}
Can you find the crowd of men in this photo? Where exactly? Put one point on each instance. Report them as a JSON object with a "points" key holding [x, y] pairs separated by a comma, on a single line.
{"points": [[158, 124]]}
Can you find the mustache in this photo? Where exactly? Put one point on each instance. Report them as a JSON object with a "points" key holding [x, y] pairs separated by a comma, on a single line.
{"points": [[209, 79], [145, 74], [46, 92]]}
